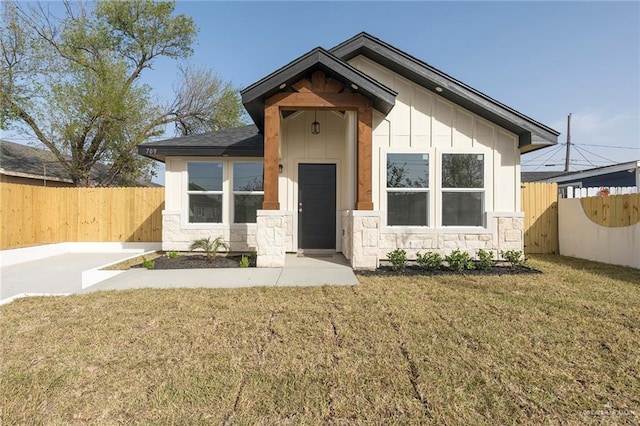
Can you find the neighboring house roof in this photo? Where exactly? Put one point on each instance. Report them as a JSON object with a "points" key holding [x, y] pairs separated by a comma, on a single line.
{"points": [[237, 142], [620, 168], [532, 134], [539, 176], [36, 163], [29, 162], [253, 97]]}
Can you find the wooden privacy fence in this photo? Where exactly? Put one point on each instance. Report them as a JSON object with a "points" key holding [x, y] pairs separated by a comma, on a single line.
{"points": [[613, 211], [540, 206], [40, 215]]}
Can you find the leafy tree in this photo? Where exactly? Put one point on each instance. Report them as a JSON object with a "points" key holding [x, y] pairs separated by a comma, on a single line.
{"points": [[74, 83]]}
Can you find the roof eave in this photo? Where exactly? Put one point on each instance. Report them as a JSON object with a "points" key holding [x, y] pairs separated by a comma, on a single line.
{"points": [[253, 97], [532, 134]]}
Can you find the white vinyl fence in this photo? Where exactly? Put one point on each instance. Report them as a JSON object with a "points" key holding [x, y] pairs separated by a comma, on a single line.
{"points": [[578, 192]]}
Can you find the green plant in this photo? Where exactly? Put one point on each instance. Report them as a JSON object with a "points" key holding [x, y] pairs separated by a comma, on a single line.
{"points": [[398, 259], [485, 259], [172, 254], [149, 264], [429, 260], [244, 261], [514, 257], [459, 260], [211, 248]]}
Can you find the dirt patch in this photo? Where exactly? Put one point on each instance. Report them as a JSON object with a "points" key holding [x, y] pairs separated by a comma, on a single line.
{"points": [[198, 261], [413, 270]]}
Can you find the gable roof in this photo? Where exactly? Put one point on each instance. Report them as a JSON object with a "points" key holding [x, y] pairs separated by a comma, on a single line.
{"points": [[532, 134], [254, 96], [236, 142]]}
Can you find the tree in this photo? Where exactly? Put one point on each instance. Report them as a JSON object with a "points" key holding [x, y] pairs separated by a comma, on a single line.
{"points": [[74, 83]]}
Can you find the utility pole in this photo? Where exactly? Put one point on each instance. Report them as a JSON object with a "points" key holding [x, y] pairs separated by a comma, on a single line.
{"points": [[566, 160]]}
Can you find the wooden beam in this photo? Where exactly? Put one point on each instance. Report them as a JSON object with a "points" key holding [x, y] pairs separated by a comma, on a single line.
{"points": [[318, 81], [271, 149], [333, 86], [331, 101], [303, 85], [364, 147]]}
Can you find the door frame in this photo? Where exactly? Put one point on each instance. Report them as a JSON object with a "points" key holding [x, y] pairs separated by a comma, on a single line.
{"points": [[295, 179]]}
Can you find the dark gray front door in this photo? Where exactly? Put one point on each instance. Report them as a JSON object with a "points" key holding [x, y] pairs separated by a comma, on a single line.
{"points": [[317, 206]]}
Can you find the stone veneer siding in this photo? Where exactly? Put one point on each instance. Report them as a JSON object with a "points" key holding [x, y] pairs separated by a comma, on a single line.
{"points": [[175, 236], [274, 235], [370, 243]]}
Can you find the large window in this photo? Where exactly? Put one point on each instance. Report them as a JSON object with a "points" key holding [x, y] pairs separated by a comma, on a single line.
{"points": [[205, 192], [462, 189], [407, 189], [247, 191]]}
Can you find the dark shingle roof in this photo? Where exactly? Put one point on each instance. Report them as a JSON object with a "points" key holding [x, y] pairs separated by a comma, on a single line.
{"points": [[242, 141], [539, 176], [18, 158]]}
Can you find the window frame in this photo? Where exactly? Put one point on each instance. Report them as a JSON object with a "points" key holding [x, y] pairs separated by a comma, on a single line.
{"points": [[234, 192], [427, 190], [191, 192], [481, 190]]}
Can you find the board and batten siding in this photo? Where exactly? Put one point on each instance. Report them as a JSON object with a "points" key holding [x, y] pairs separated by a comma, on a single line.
{"points": [[335, 144], [421, 119]]}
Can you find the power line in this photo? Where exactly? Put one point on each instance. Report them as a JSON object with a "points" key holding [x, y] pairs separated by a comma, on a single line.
{"points": [[599, 156]]}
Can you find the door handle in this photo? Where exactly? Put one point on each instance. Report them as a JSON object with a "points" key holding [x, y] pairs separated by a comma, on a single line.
{"points": [[299, 207]]}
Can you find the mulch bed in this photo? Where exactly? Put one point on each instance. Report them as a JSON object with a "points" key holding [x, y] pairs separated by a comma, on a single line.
{"points": [[411, 270], [198, 261]]}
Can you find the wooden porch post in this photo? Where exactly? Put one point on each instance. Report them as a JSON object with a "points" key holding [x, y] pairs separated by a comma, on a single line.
{"points": [[271, 149], [364, 147]]}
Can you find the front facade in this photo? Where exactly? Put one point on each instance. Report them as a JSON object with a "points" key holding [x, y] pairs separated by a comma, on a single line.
{"points": [[360, 150]]}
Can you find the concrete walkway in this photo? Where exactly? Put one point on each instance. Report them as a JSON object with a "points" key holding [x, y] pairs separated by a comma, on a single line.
{"points": [[62, 274], [298, 271]]}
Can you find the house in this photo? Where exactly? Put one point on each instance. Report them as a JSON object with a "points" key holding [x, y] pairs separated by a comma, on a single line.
{"points": [[27, 165], [359, 149], [621, 175]]}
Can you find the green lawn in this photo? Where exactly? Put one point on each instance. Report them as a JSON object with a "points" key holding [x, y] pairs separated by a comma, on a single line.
{"points": [[562, 347]]}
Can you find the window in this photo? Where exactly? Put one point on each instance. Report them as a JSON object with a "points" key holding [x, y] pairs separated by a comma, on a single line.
{"points": [[462, 189], [205, 192], [247, 191], [407, 189]]}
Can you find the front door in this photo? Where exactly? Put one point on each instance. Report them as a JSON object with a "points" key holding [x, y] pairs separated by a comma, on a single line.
{"points": [[317, 206]]}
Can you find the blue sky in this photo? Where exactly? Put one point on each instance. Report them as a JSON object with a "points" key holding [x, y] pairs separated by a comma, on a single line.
{"points": [[545, 59]]}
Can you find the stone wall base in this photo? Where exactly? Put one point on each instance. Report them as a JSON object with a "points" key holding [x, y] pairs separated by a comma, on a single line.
{"points": [[178, 237], [274, 235]]}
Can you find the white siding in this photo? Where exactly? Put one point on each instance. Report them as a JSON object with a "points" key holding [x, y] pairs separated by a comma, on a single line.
{"points": [[334, 145], [423, 121]]}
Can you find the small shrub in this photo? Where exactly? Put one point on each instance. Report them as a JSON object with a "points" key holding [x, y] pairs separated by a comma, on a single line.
{"points": [[398, 259], [429, 260], [172, 254], [149, 264], [459, 260], [210, 247], [514, 257], [244, 261], [485, 259]]}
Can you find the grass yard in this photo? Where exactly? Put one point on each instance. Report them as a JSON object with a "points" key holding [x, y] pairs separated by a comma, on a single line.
{"points": [[562, 347]]}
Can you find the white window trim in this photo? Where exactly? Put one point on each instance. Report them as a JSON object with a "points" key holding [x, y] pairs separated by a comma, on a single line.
{"points": [[384, 190], [482, 190], [189, 192], [232, 205]]}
